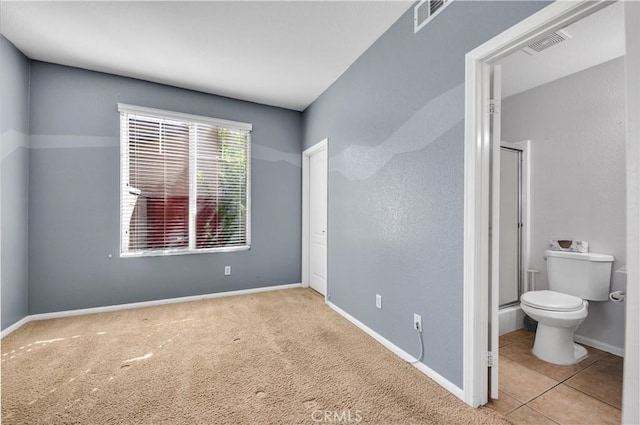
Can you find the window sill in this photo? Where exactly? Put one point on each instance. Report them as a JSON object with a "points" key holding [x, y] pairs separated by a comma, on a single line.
{"points": [[172, 252]]}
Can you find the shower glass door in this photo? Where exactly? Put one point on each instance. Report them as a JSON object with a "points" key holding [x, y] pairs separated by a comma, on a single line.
{"points": [[511, 273]]}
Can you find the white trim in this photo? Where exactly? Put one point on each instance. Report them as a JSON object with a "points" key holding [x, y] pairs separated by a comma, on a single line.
{"points": [[475, 278], [123, 178], [249, 167], [494, 173], [557, 15], [128, 306], [618, 351], [15, 326], [183, 251], [476, 196], [439, 379], [180, 116], [306, 155]]}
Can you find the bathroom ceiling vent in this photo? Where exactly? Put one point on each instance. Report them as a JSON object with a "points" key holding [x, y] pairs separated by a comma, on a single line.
{"points": [[425, 11], [547, 41]]}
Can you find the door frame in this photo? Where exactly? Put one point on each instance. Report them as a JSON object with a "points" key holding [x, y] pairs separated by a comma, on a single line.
{"points": [[306, 155], [477, 202]]}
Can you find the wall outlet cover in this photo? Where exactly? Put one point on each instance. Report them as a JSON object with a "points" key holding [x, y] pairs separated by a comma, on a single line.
{"points": [[417, 322]]}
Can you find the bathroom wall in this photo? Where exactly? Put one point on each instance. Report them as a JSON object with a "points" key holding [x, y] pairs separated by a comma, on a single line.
{"points": [[577, 130], [14, 182], [74, 195], [395, 125]]}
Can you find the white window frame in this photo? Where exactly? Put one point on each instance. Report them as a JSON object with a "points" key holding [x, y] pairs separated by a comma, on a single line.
{"points": [[190, 119]]}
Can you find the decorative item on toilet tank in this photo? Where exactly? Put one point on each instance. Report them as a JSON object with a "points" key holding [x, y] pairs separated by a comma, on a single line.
{"points": [[568, 245]]}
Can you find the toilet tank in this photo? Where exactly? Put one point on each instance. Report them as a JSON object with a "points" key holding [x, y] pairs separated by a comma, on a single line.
{"points": [[584, 275]]}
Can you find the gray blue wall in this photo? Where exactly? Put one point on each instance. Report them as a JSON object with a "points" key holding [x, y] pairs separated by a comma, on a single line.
{"points": [[394, 121], [14, 181], [74, 195], [577, 158], [395, 124]]}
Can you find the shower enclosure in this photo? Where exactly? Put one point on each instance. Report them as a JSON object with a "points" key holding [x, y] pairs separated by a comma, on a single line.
{"points": [[511, 223]]}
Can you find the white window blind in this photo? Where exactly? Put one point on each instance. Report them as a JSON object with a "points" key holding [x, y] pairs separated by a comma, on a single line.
{"points": [[184, 183]]}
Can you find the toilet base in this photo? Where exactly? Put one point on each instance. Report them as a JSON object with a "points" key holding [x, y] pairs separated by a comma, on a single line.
{"points": [[555, 345]]}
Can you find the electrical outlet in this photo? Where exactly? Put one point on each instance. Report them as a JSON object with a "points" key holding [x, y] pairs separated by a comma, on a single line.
{"points": [[417, 322], [227, 270], [378, 301]]}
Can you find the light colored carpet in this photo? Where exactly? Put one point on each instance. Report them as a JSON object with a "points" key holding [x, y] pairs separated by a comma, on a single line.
{"points": [[273, 357]]}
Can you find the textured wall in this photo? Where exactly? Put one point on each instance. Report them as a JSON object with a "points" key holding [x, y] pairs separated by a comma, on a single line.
{"points": [[577, 157], [395, 124], [14, 171], [74, 195]]}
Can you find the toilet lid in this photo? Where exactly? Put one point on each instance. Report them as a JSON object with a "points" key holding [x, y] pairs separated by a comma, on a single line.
{"points": [[550, 300]]}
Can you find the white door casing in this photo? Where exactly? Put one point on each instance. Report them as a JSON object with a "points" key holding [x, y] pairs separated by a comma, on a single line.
{"points": [[318, 221], [494, 234], [477, 185], [314, 244]]}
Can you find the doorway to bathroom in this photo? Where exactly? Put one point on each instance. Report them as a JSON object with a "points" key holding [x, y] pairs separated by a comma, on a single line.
{"points": [[570, 106], [565, 93], [481, 299]]}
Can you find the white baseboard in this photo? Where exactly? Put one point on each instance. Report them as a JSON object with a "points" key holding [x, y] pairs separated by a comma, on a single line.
{"points": [[15, 326], [94, 310], [439, 379], [599, 345]]}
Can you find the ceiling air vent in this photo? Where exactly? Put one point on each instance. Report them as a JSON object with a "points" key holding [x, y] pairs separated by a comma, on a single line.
{"points": [[546, 42], [426, 10]]}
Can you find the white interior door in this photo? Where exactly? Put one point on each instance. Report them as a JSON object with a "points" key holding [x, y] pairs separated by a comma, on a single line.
{"points": [[494, 234], [318, 221]]}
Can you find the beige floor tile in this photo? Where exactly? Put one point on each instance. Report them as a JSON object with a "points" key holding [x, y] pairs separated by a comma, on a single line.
{"points": [[566, 405], [521, 352], [527, 416], [612, 358], [504, 404], [602, 380], [520, 382], [519, 335]]}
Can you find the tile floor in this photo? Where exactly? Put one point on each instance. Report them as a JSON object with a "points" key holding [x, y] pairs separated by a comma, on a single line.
{"points": [[535, 392]]}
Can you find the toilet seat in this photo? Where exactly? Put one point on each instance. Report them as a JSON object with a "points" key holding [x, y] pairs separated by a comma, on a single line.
{"points": [[551, 301]]}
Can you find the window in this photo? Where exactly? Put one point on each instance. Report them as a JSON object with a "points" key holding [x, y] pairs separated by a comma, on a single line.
{"points": [[184, 183]]}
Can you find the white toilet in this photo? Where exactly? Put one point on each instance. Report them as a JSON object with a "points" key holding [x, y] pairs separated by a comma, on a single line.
{"points": [[574, 278]]}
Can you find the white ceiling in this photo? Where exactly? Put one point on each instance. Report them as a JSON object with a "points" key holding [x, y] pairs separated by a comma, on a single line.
{"points": [[281, 53], [595, 39]]}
